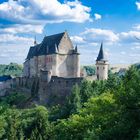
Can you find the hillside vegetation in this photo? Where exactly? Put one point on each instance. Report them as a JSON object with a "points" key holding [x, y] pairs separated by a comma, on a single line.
{"points": [[90, 70], [98, 110], [11, 69]]}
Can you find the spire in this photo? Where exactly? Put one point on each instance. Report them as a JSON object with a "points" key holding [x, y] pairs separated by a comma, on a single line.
{"points": [[76, 50], [35, 42], [101, 54]]}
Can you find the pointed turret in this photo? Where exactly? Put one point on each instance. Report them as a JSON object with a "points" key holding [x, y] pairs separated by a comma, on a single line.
{"points": [[101, 65], [76, 49], [101, 54]]}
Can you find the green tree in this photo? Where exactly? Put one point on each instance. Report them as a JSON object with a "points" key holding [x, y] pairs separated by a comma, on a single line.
{"points": [[3, 125], [41, 127], [86, 90], [13, 124], [74, 100]]}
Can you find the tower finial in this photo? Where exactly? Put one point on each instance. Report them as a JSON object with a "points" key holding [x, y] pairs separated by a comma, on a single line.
{"points": [[101, 53], [35, 42], [76, 49]]}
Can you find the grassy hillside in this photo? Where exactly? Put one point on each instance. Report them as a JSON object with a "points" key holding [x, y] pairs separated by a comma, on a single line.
{"points": [[11, 69]]}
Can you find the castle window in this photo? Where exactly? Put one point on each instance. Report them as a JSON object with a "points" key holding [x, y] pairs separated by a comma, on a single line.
{"points": [[103, 68], [97, 68]]}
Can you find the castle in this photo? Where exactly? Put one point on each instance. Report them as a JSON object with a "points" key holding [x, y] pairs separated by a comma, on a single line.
{"points": [[52, 68], [56, 55]]}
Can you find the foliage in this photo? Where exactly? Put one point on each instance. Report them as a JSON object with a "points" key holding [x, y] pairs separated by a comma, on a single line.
{"points": [[98, 110], [13, 99], [11, 69], [90, 70]]}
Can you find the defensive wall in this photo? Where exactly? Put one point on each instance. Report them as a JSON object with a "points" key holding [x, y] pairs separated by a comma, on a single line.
{"points": [[45, 91]]}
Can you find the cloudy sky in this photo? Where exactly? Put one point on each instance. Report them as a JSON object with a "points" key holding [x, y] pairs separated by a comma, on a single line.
{"points": [[116, 23]]}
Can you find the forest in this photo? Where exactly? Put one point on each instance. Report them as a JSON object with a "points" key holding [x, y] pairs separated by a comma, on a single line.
{"points": [[97, 110]]}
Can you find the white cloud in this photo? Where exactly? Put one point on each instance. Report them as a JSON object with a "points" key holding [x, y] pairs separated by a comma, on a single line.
{"points": [[14, 39], [136, 27], [44, 11], [77, 39], [97, 16], [13, 48], [98, 35], [129, 37], [138, 5], [119, 47], [23, 29]]}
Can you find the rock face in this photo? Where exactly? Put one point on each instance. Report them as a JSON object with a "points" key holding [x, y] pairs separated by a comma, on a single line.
{"points": [[55, 54]]}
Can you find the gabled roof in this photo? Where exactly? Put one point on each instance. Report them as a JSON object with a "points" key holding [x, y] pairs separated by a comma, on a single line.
{"points": [[31, 52], [48, 46], [101, 56], [49, 43]]}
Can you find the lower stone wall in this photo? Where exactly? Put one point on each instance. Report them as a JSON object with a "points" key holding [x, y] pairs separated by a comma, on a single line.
{"points": [[4, 86], [56, 91], [44, 92]]}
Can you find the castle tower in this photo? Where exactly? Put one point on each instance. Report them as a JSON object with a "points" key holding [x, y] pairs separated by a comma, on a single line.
{"points": [[101, 65]]}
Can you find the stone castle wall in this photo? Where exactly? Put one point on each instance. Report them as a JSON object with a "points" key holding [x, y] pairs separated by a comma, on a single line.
{"points": [[46, 91], [4, 86], [56, 91]]}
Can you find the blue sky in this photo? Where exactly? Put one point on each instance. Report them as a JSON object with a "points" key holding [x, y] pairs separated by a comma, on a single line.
{"points": [[116, 23]]}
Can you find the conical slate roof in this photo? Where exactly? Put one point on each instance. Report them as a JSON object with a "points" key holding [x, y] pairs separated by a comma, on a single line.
{"points": [[101, 56]]}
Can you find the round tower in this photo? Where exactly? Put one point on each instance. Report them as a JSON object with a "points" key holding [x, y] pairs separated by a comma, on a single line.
{"points": [[101, 65]]}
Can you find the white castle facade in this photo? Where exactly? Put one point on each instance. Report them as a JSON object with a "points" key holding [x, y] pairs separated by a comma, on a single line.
{"points": [[56, 55]]}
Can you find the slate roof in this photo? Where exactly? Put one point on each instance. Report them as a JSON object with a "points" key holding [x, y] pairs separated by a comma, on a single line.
{"points": [[48, 46], [5, 78], [101, 56], [30, 53]]}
